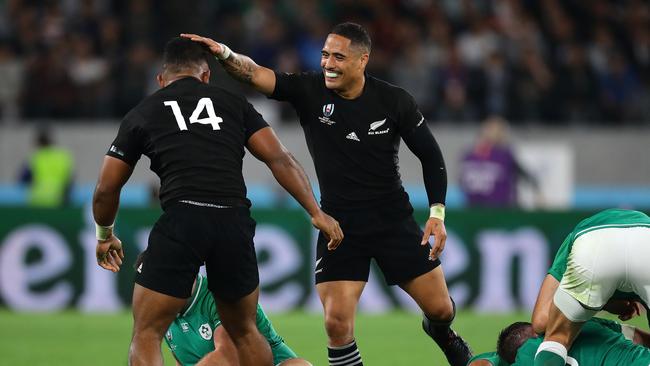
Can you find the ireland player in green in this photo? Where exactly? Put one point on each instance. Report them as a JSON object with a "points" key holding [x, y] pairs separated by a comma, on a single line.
{"points": [[196, 336], [600, 343], [605, 253]]}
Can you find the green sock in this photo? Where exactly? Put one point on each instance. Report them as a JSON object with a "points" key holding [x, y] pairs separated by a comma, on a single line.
{"points": [[546, 358]]}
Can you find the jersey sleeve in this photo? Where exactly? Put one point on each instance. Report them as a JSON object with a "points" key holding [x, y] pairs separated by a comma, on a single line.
{"points": [[409, 115], [291, 87], [266, 328], [128, 145], [253, 120], [559, 263]]}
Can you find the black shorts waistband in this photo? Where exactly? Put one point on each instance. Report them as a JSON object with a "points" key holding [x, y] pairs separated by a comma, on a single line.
{"points": [[204, 204]]}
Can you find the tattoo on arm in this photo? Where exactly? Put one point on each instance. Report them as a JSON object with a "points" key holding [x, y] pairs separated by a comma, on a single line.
{"points": [[240, 67]]}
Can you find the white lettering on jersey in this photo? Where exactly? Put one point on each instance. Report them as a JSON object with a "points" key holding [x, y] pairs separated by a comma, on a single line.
{"points": [[203, 103]]}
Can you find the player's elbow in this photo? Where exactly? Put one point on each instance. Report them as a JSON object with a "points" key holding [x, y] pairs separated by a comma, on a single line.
{"points": [[539, 321]]}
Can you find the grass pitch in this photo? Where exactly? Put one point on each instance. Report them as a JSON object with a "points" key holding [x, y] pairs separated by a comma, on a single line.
{"points": [[394, 339]]}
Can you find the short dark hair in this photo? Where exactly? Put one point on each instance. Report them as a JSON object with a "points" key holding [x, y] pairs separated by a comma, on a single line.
{"points": [[181, 53], [356, 33], [511, 338]]}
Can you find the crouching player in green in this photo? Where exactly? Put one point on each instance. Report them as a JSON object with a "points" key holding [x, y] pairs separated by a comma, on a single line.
{"points": [[600, 343], [604, 256], [196, 336]]}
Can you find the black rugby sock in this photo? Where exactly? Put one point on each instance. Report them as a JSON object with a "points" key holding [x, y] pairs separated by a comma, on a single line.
{"points": [[347, 355]]}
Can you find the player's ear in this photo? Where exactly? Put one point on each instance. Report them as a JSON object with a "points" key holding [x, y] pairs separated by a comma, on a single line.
{"points": [[364, 61], [205, 76], [160, 80]]}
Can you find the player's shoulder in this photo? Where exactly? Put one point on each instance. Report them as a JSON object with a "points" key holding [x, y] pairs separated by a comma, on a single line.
{"points": [[390, 94], [387, 88]]}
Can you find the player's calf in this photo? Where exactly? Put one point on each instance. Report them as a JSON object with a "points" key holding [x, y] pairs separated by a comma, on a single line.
{"points": [[456, 350]]}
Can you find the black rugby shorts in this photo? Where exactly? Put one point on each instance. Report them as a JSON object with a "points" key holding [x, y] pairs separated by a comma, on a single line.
{"points": [[393, 240], [187, 236]]}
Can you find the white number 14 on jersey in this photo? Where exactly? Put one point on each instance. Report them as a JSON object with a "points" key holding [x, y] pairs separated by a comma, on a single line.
{"points": [[204, 103]]}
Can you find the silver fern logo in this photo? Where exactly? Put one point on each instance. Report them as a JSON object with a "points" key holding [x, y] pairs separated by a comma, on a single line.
{"points": [[375, 125]]}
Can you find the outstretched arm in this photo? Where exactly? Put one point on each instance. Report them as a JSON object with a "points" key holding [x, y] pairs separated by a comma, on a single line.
{"points": [[112, 177], [266, 146], [240, 67]]}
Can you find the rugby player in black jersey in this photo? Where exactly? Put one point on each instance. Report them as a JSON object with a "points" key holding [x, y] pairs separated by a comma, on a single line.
{"points": [[195, 134], [353, 124]]}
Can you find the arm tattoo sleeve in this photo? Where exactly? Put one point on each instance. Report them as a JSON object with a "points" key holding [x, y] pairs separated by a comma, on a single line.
{"points": [[240, 67]]}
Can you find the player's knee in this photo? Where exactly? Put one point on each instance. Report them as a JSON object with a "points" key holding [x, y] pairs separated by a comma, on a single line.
{"points": [[339, 327], [441, 311]]}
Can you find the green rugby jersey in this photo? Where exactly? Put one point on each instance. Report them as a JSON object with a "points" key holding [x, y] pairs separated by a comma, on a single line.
{"points": [[189, 337], [600, 343], [491, 357], [612, 218]]}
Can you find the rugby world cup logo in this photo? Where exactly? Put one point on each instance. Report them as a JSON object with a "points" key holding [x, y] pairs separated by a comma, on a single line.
{"points": [[328, 110]]}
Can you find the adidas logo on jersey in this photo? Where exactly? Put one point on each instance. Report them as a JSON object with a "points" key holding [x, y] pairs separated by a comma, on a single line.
{"points": [[352, 136]]}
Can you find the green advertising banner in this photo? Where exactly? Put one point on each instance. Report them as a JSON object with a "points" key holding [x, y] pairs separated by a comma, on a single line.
{"points": [[494, 260]]}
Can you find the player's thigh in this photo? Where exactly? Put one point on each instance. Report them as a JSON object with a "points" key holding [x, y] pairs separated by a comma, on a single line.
{"points": [[638, 242], [340, 298], [154, 311], [596, 268], [239, 316], [231, 263], [430, 293], [399, 254]]}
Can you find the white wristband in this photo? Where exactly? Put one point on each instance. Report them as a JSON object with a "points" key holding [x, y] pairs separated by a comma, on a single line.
{"points": [[103, 232], [225, 52], [437, 212]]}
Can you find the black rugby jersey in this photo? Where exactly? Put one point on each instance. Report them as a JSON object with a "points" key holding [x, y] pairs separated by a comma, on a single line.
{"points": [[195, 135], [354, 143]]}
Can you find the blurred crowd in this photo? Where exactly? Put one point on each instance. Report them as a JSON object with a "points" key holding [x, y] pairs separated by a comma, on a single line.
{"points": [[551, 61]]}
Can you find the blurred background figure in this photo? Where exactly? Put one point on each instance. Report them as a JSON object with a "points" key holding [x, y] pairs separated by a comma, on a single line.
{"points": [[490, 171], [48, 173]]}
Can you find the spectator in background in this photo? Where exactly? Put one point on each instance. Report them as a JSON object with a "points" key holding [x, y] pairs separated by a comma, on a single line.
{"points": [[48, 173], [490, 171], [11, 74]]}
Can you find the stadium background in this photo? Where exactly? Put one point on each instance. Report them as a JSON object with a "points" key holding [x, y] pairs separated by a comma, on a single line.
{"points": [[572, 77]]}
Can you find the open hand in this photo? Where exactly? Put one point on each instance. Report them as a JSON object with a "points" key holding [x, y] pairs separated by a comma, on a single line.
{"points": [[215, 47]]}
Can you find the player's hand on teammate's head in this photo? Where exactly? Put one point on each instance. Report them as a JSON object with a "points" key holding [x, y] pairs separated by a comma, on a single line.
{"points": [[109, 253], [330, 227], [215, 47], [435, 227]]}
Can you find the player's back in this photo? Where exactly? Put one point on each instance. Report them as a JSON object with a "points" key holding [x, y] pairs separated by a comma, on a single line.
{"points": [[194, 135], [611, 218]]}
